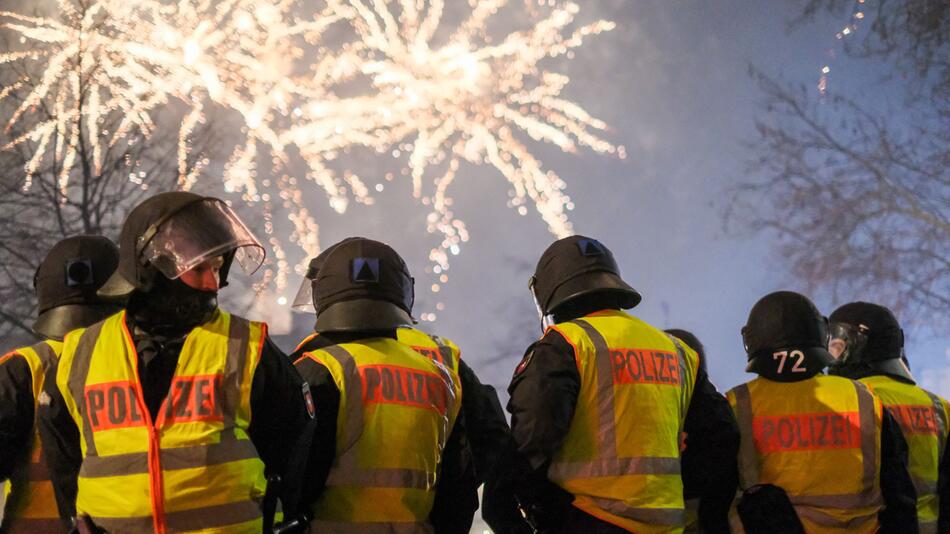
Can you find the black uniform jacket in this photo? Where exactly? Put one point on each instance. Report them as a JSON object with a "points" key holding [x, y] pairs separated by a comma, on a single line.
{"points": [[16, 412], [278, 411], [544, 393], [455, 500]]}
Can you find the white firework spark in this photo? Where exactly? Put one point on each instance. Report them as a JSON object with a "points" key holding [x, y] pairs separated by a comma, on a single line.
{"points": [[465, 98], [433, 102]]}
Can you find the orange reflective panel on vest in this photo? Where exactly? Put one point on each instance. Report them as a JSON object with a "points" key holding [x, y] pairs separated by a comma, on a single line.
{"points": [[194, 467], [922, 417], [621, 456], [30, 503], [818, 439], [396, 413]]}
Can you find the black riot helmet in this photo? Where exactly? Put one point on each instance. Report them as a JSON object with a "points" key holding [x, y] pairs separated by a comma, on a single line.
{"points": [[303, 302], [66, 283], [574, 267], [362, 286], [173, 232], [780, 325], [867, 339], [691, 341]]}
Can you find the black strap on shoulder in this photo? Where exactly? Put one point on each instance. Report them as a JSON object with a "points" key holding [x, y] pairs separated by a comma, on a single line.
{"points": [[296, 470]]}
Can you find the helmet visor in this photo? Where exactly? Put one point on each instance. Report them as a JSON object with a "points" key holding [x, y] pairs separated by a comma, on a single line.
{"points": [[199, 232], [845, 340], [303, 302]]}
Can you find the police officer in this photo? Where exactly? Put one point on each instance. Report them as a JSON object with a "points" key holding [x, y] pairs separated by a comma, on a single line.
{"points": [[65, 285], [867, 342], [817, 447], [166, 417], [485, 424], [599, 403], [691, 468], [397, 441]]}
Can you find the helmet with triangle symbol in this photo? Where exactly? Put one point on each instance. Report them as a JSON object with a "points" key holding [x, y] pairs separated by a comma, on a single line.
{"points": [[362, 285], [578, 266]]}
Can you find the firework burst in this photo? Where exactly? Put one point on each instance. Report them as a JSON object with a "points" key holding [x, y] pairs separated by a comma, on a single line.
{"points": [[433, 97], [471, 98]]}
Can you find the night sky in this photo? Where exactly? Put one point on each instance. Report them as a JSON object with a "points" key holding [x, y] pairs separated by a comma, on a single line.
{"points": [[672, 81]]}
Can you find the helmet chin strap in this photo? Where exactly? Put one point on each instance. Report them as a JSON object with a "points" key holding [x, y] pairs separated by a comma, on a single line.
{"points": [[545, 320]]}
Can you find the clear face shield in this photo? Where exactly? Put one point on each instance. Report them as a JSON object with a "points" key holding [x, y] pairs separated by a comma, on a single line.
{"points": [[197, 233], [546, 320], [846, 340], [303, 302]]}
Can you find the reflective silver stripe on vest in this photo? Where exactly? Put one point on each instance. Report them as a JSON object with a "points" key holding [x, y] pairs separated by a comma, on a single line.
{"points": [[650, 516], [940, 417], [46, 353], [382, 478], [606, 427], [346, 470], [338, 527], [924, 487], [817, 516], [869, 435], [843, 500], [208, 517], [353, 425], [171, 459], [126, 525], [77, 380], [748, 456], [239, 338], [213, 517], [612, 467], [444, 350]]}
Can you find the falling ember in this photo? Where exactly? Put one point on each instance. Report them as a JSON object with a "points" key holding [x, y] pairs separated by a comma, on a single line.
{"points": [[466, 97]]}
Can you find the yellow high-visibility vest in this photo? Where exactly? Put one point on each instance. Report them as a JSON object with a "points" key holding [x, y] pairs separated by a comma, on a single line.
{"points": [[436, 348], [30, 501], [621, 456], [922, 417], [433, 347], [396, 413], [819, 439], [194, 468]]}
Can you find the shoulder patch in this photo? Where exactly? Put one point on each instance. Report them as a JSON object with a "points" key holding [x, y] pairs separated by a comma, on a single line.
{"points": [[526, 360]]}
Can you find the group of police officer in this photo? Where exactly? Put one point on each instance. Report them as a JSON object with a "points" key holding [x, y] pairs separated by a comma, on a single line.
{"points": [[147, 408]]}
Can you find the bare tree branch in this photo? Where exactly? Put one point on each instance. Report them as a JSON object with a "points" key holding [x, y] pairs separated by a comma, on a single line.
{"points": [[96, 200], [858, 202]]}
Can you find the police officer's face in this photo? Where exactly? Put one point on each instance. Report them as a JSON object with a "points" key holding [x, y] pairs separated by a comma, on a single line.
{"points": [[206, 276]]}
